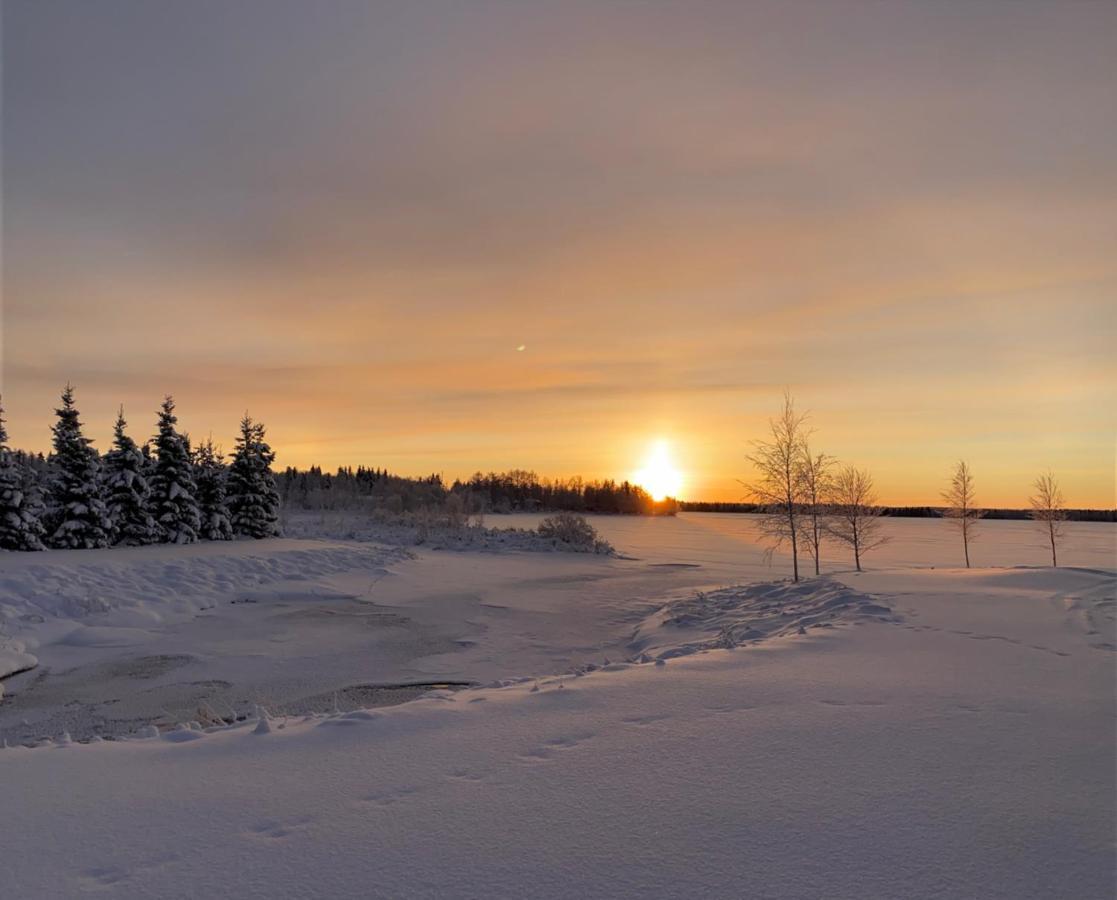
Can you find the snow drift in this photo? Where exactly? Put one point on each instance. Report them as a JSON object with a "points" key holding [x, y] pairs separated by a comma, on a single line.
{"points": [[51, 597], [730, 617]]}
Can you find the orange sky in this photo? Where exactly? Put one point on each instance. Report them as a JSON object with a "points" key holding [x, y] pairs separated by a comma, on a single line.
{"points": [[347, 219]]}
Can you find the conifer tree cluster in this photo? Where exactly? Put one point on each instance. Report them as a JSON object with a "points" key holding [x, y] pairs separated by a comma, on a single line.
{"points": [[127, 492], [161, 492], [174, 501], [77, 517], [210, 475], [21, 525], [253, 498]]}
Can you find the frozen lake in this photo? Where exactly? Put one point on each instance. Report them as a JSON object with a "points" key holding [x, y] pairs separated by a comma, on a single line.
{"points": [[730, 543]]}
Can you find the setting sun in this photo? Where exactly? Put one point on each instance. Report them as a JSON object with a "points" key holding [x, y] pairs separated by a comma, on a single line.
{"points": [[659, 476]]}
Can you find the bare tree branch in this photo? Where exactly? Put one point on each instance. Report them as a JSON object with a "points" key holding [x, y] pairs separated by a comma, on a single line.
{"points": [[816, 483], [1048, 511], [778, 488], [854, 515], [961, 505]]}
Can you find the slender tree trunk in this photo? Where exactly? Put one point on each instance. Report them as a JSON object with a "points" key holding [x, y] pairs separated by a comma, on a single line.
{"points": [[791, 525], [817, 546], [794, 551], [966, 544], [1051, 534], [856, 550]]}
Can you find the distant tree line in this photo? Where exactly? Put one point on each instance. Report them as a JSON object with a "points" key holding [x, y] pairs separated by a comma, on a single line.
{"points": [[165, 491], [360, 488], [515, 491], [908, 512], [520, 490]]}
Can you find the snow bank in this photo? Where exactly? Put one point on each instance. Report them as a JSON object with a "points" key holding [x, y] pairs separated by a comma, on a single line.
{"points": [[733, 616], [76, 584], [408, 532], [13, 658], [48, 597]]}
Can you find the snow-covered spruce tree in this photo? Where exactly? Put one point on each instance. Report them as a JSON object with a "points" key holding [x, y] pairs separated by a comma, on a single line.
{"points": [[253, 499], [126, 490], [209, 475], [77, 515], [35, 472], [148, 460], [20, 524], [173, 501]]}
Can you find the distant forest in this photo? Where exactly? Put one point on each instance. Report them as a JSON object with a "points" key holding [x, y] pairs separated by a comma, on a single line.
{"points": [[916, 512], [524, 491], [503, 492]]}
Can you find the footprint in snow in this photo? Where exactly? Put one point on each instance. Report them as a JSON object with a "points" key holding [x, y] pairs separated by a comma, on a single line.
{"points": [[830, 701], [465, 775], [641, 721], [390, 797], [725, 710], [103, 877], [565, 743], [277, 829], [547, 750], [993, 637]]}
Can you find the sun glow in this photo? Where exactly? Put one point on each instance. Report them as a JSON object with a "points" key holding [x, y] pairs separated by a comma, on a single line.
{"points": [[659, 476]]}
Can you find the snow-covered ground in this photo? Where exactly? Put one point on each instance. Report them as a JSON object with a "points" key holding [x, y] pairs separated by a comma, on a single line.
{"points": [[670, 722]]}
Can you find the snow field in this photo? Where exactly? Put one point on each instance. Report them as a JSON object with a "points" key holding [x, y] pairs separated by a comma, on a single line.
{"points": [[906, 732]]}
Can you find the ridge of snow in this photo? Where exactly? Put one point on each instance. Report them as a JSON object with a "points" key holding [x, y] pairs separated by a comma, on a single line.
{"points": [[745, 614]]}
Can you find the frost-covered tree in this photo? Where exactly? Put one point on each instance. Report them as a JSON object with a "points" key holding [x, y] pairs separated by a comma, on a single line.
{"points": [[77, 515], [816, 482], [21, 527], [1048, 511], [961, 506], [778, 487], [148, 461], [209, 475], [127, 491], [854, 515], [253, 498], [173, 501], [35, 473]]}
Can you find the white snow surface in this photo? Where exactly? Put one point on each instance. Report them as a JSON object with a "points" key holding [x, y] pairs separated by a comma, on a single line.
{"points": [[679, 723]]}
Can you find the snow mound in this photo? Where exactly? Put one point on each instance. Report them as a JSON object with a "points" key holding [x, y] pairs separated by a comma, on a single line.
{"points": [[13, 658], [403, 532], [136, 589], [74, 588], [733, 616]]}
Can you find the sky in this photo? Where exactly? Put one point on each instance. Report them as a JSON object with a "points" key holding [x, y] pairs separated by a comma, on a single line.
{"points": [[348, 218]]}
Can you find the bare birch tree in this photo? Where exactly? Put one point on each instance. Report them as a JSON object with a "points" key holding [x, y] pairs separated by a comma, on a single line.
{"points": [[816, 481], [854, 514], [778, 489], [960, 505], [1048, 511]]}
